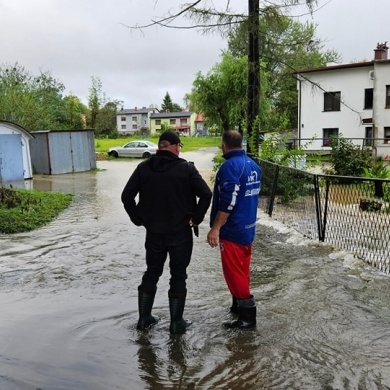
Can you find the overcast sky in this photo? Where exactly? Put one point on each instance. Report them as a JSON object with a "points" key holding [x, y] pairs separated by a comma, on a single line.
{"points": [[75, 40]]}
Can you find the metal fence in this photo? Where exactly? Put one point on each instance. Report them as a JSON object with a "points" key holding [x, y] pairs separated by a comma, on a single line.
{"points": [[351, 213]]}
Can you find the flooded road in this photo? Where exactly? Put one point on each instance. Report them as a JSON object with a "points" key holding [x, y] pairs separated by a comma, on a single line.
{"points": [[68, 297]]}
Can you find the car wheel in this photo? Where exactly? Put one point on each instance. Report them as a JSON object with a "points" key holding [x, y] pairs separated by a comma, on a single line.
{"points": [[113, 153], [146, 155]]}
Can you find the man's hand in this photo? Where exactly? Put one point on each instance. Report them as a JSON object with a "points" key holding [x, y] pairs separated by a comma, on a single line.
{"points": [[213, 237]]}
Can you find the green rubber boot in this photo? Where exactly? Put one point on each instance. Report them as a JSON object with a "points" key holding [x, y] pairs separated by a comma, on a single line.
{"points": [[145, 304], [176, 307]]}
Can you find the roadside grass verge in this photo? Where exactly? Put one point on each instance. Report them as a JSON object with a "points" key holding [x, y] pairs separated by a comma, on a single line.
{"points": [[25, 210], [190, 143]]}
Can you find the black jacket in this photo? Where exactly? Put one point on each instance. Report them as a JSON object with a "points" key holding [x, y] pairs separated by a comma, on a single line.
{"points": [[168, 189]]}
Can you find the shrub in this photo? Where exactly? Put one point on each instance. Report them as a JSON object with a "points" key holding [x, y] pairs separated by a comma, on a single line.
{"points": [[348, 159]]}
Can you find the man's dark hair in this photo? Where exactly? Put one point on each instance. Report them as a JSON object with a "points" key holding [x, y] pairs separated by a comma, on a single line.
{"points": [[232, 139]]}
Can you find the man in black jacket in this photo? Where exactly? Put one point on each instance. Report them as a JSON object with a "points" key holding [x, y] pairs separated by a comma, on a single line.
{"points": [[172, 200]]}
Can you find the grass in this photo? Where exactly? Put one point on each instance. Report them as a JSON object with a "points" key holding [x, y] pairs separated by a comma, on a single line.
{"points": [[24, 210], [190, 143]]}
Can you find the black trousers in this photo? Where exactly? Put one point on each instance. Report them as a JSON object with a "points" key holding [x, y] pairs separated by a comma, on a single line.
{"points": [[179, 248]]}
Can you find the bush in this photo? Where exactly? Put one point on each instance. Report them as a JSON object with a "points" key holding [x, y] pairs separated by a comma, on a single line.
{"points": [[348, 159]]}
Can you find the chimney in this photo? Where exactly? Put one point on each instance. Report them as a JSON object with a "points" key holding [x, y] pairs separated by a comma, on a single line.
{"points": [[381, 51]]}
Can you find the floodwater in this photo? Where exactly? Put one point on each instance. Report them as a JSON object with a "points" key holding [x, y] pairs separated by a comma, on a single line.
{"points": [[68, 298]]}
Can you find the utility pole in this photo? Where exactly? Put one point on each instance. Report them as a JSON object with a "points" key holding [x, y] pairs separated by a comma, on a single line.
{"points": [[253, 77]]}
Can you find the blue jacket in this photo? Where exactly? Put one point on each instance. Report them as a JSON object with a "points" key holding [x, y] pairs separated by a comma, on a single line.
{"points": [[236, 191]]}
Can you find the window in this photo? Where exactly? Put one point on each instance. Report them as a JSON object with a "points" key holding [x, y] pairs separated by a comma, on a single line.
{"points": [[368, 98], [332, 101], [134, 127], [387, 96], [327, 133], [368, 136], [123, 118], [134, 119], [183, 121], [387, 135], [158, 122], [172, 121], [123, 127]]}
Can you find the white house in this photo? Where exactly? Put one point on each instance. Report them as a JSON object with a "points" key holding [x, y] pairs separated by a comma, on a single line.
{"points": [[134, 120], [352, 100]]}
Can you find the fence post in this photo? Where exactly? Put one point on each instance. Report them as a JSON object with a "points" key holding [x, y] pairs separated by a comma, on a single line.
{"points": [[317, 198], [273, 192]]}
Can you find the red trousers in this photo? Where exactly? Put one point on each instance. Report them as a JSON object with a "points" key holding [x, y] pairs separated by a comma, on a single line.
{"points": [[236, 261]]}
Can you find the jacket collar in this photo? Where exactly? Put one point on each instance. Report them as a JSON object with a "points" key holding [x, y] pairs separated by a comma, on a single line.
{"points": [[233, 153]]}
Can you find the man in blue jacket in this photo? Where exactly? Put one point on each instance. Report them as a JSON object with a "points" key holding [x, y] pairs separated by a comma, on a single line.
{"points": [[233, 220], [172, 201]]}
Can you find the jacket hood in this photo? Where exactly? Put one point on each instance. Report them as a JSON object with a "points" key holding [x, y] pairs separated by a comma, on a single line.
{"points": [[163, 160]]}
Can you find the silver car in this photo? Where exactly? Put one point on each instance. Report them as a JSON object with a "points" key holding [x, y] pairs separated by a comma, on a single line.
{"points": [[142, 149]]}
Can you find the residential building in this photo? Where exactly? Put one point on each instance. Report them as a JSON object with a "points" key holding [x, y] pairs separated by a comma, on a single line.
{"points": [[182, 122], [200, 127], [352, 100], [134, 120]]}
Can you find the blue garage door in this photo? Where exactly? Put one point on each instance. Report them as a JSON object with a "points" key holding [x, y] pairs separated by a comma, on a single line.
{"points": [[11, 158]]}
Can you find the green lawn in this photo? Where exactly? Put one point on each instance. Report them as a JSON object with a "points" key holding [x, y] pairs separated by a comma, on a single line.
{"points": [[190, 143]]}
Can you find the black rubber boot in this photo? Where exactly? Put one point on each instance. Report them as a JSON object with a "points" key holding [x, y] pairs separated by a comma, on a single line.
{"points": [[176, 307], [246, 314], [145, 304], [234, 307]]}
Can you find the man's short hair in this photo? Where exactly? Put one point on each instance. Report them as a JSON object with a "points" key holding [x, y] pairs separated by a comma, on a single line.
{"points": [[232, 139]]}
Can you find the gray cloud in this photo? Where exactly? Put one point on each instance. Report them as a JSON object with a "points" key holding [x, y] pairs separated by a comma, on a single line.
{"points": [[76, 40]]}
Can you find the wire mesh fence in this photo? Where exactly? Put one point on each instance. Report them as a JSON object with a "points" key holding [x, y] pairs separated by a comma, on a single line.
{"points": [[351, 213]]}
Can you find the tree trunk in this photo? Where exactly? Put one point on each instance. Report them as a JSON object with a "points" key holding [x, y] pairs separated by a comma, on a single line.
{"points": [[253, 77]]}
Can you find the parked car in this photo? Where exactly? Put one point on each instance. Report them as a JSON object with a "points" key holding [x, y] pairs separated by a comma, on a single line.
{"points": [[143, 149]]}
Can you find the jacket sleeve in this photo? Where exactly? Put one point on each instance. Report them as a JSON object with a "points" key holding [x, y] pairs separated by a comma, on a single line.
{"points": [[129, 194], [229, 179], [203, 192]]}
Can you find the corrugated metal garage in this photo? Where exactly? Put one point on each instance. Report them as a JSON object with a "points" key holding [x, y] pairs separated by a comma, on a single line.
{"points": [[15, 160], [55, 152]]}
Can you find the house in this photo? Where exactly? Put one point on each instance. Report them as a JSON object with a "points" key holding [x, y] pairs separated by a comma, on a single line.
{"points": [[200, 128], [15, 158], [134, 120], [182, 122], [352, 100]]}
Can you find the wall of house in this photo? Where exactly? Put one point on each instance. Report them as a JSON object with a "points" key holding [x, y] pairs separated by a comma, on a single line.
{"points": [[351, 83], [133, 126], [381, 113]]}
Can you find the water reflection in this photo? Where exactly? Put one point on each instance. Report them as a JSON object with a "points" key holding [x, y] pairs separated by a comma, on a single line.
{"points": [[68, 294]]}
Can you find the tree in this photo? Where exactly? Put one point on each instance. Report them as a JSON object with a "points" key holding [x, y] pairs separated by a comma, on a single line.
{"points": [[95, 100], [34, 102], [221, 94], [211, 19], [168, 106], [285, 45], [106, 119], [75, 112]]}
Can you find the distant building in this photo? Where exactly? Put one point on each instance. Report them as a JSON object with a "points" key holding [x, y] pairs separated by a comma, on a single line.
{"points": [[352, 100], [182, 122], [134, 121]]}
